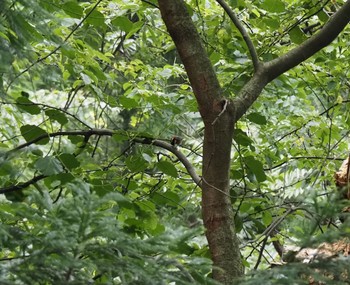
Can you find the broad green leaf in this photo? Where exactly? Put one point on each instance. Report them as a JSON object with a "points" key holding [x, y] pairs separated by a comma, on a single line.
{"points": [[58, 179], [167, 198], [6, 168], [28, 106], [257, 118], [297, 36], [241, 138], [34, 133], [256, 167], [136, 163], [101, 187], [272, 23], [267, 218], [69, 161], [128, 103], [135, 28], [123, 23], [168, 168], [275, 6], [73, 9], [48, 165], [323, 16], [96, 19], [57, 116], [237, 174], [245, 207], [17, 196]]}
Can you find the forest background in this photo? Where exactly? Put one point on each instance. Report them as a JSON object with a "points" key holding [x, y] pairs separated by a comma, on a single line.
{"points": [[172, 142]]}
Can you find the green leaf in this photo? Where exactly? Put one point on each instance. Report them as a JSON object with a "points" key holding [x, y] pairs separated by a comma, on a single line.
{"points": [[241, 138], [272, 23], [297, 36], [167, 168], [135, 28], [34, 133], [323, 16], [275, 6], [28, 106], [128, 103], [136, 163], [58, 179], [256, 167], [101, 187], [238, 223], [167, 198], [24, 29], [257, 118], [69, 161], [57, 116], [6, 168], [120, 137], [245, 207], [48, 165], [73, 9], [17, 196], [96, 19], [267, 218], [123, 23]]}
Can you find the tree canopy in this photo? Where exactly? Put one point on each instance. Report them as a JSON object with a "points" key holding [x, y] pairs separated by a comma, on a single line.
{"points": [[172, 142]]}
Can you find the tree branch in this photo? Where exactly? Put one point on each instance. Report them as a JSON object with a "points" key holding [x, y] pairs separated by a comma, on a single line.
{"points": [[270, 70], [323, 38], [103, 132], [189, 167], [21, 186], [243, 31]]}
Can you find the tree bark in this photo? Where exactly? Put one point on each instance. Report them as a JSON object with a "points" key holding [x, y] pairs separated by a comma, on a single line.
{"points": [[218, 116]]}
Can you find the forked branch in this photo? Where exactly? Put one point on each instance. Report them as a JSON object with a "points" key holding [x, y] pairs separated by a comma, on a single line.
{"points": [[308, 48]]}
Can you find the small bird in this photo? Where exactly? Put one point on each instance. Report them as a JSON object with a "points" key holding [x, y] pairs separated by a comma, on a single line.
{"points": [[175, 141]]}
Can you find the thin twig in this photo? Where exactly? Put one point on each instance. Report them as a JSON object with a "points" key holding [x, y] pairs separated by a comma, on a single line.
{"points": [[242, 30], [272, 226], [222, 111]]}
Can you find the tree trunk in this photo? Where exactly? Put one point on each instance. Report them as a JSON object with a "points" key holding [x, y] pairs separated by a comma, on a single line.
{"points": [[216, 204], [220, 114]]}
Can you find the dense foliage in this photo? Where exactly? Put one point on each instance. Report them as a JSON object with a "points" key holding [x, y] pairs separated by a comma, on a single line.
{"points": [[86, 85]]}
